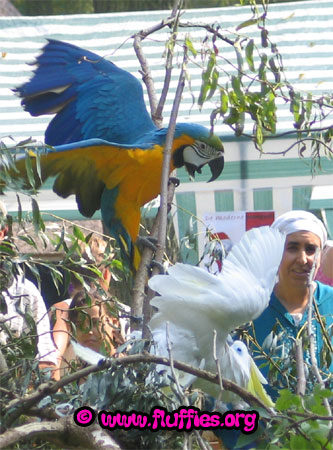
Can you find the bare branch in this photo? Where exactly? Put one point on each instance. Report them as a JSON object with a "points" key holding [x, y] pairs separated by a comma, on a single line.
{"points": [[301, 381], [208, 28], [314, 365], [167, 161], [146, 73], [168, 66], [181, 393], [146, 303], [21, 405], [217, 362], [140, 303], [64, 430]]}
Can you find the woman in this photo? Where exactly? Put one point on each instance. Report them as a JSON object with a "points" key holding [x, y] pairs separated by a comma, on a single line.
{"points": [[93, 323]]}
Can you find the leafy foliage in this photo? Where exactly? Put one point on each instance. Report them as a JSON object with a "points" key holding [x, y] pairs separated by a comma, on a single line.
{"points": [[256, 86]]}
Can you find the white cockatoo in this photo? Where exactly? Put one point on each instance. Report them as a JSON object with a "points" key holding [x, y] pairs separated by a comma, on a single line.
{"points": [[194, 303]]}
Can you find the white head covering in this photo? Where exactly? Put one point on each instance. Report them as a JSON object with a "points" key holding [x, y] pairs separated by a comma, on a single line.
{"points": [[298, 220]]}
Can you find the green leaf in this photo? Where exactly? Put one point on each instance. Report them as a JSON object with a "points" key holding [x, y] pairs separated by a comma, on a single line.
{"points": [[240, 124], [247, 439], [322, 393], [224, 101], [36, 217], [259, 135], [28, 240], [78, 233], [298, 442], [61, 240], [19, 209], [248, 23], [232, 117], [308, 106], [236, 84], [29, 169], [7, 250], [209, 80], [203, 91], [275, 69], [287, 400], [38, 166], [190, 46], [213, 85], [249, 55]]}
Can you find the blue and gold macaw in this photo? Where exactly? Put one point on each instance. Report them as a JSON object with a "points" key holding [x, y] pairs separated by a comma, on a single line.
{"points": [[107, 150]]}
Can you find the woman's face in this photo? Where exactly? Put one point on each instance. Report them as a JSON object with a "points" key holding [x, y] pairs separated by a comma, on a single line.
{"points": [[298, 258], [93, 330]]}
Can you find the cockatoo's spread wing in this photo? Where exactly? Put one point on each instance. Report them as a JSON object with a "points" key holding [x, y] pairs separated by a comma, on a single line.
{"points": [[196, 301]]}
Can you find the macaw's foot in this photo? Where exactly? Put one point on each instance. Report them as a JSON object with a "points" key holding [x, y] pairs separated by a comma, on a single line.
{"points": [[158, 265], [175, 181], [147, 241]]}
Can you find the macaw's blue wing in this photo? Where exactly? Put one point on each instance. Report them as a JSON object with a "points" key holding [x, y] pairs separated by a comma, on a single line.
{"points": [[91, 97], [118, 179]]}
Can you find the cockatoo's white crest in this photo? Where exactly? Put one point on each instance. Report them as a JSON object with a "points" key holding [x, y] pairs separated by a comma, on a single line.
{"points": [[196, 303]]}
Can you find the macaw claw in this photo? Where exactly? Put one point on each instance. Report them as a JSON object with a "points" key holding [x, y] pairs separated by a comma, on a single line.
{"points": [[158, 265], [175, 181], [147, 241]]}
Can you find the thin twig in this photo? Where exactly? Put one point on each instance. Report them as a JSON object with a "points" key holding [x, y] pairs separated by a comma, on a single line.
{"points": [[301, 381], [165, 173], [217, 362], [168, 65], [314, 364], [180, 391], [167, 161], [140, 301]]}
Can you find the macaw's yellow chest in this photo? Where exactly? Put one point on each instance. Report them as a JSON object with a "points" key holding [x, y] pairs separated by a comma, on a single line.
{"points": [[136, 173], [135, 177]]}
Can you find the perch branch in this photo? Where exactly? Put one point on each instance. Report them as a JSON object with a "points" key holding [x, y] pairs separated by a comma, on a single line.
{"points": [[314, 364], [64, 430], [19, 406], [301, 381]]}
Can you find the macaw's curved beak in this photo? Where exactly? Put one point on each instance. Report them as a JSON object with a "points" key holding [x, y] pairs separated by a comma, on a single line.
{"points": [[216, 166]]}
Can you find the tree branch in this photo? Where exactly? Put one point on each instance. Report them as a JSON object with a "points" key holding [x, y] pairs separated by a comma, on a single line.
{"points": [[301, 381], [314, 364], [64, 430], [140, 305], [19, 406]]}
